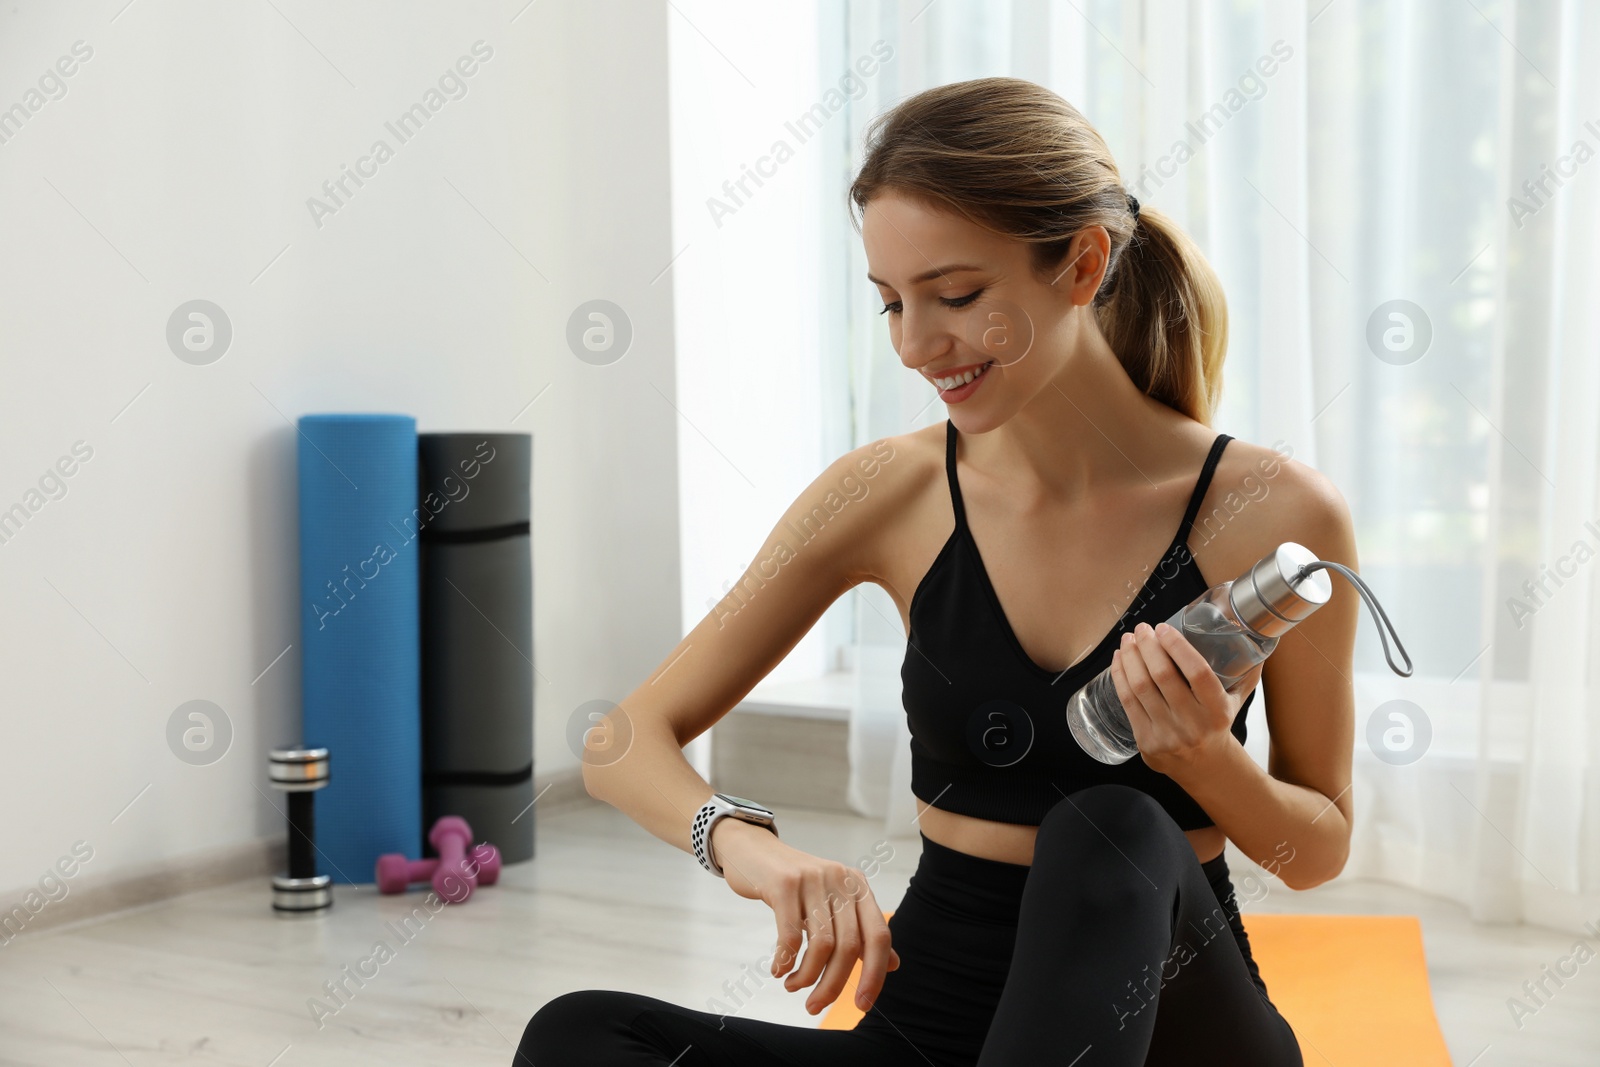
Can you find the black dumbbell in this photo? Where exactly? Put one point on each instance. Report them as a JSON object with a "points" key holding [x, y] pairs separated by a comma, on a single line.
{"points": [[300, 772]]}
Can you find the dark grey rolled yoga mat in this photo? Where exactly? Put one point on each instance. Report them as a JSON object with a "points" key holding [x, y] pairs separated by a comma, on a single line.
{"points": [[477, 635]]}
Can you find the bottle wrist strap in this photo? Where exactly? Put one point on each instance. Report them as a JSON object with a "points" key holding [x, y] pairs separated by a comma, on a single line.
{"points": [[1385, 628]]}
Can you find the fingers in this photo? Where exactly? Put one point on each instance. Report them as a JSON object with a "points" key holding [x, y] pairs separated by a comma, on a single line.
{"points": [[1172, 691], [818, 923], [1201, 679], [1126, 666], [832, 906], [1205, 687], [847, 948], [877, 955]]}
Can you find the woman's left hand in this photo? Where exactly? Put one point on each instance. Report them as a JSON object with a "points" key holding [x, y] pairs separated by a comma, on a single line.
{"points": [[1176, 705]]}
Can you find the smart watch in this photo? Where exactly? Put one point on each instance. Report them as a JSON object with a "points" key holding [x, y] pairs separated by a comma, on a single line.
{"points": [[719, 806]]}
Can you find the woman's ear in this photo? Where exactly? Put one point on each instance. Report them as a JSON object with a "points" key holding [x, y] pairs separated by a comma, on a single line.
{"points": [[1083, 268]]}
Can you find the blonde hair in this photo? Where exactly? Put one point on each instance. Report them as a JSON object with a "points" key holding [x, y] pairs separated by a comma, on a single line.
{"points": [[1015, 158]]}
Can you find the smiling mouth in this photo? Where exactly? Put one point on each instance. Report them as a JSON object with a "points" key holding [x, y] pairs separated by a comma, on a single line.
{"points": [[953, 381]]}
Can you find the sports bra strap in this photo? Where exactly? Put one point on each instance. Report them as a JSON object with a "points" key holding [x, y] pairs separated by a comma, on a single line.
{"points": [[950, 472], [1200, 486]]}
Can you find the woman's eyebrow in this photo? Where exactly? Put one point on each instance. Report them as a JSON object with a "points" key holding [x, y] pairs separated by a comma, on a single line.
{"points": [[936, 272]]}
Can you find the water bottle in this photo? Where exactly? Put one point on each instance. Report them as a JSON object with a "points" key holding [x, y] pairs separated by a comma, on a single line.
{"points": [[1235, 626]]}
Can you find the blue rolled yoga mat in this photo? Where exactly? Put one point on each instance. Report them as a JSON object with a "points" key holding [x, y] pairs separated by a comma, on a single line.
{"points": [[361, 682]]}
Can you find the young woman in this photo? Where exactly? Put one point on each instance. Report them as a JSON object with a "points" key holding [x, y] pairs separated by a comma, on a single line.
{"points": [[1062, 911]]}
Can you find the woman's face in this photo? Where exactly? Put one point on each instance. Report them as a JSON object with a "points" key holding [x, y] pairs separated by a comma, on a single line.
{"points": [[967, 311]]}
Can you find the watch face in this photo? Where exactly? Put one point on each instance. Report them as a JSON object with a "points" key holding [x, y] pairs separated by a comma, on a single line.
{"points": [[742, 802]]}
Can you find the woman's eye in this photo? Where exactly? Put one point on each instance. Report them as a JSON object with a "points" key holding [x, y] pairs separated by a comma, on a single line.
{"points": [[952, 302]]}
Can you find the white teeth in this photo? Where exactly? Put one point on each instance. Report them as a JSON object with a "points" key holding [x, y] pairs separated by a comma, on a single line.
{"points": [[959, 379]]}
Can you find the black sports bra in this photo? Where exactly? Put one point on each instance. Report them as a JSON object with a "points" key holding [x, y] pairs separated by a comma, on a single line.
{"points": [[989, 734]]}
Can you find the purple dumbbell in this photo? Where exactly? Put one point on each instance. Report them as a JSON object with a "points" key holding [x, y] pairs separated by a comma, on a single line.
{"points": [[394, 873], [454, 879]]}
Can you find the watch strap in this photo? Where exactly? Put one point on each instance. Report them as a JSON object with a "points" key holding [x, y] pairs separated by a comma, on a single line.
{"points": [[718, 807], [700, 831]]}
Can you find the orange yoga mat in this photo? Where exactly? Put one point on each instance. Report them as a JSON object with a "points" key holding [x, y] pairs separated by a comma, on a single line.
{"points": [[1354, 987]]}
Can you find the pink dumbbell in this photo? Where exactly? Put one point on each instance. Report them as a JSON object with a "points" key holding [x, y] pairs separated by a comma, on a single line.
{"points": [[394, 873], [455, 877]]}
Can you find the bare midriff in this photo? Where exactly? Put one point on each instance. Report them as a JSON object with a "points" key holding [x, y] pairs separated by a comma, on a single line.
{"points": [[1013, 842]]}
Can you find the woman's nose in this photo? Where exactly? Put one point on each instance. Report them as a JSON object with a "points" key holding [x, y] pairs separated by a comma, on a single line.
{"points": [[921, 342]]}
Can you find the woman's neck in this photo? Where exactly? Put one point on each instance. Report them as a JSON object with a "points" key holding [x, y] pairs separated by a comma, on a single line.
{"points": [[1088, 427]]}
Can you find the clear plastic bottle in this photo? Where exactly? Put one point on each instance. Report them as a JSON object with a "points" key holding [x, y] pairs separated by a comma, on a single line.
{"points": [[1235, 626], [1095, 713]]}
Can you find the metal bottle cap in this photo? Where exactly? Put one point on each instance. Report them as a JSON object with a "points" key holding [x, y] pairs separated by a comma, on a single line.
{"points": [[1268, 602]]}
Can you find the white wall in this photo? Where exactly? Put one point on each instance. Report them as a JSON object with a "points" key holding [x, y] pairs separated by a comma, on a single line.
{"points": [[177, 166]]}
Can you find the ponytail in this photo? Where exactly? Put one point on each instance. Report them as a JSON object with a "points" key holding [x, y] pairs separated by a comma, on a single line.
{"points": [[1163, 313]]}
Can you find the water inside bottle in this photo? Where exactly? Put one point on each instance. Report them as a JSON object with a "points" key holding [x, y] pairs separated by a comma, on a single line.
{"points": [[1231, 652], [1097, 722]]}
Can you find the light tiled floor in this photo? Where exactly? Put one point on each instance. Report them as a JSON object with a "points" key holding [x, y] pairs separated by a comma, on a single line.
{"points": [[215, 978]]}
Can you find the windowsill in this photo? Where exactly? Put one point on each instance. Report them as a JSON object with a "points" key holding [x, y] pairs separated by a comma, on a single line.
{"points": [[831, 697]]}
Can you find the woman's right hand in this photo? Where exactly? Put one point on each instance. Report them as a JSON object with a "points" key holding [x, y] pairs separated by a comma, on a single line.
{"points": [[830, 902]]}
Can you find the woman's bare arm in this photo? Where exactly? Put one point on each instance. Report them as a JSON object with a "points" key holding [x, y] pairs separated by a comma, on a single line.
{"points": [[820, 547], [1294, 816]]}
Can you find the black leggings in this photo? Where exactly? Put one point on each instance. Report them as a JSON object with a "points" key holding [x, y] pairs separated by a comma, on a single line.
{"points": [[1116, 947]]}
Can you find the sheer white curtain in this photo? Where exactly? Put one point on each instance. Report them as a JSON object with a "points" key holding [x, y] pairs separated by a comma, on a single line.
{"points": [[1403, 203]]}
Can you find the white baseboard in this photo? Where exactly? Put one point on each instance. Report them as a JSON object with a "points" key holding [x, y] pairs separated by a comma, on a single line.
{"points": [[89, 899]]}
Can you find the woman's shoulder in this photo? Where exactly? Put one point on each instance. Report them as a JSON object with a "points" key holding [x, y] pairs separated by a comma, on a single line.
{"points": [[1261, 496], [895, 466], [888, 495], [1256, 471]]}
